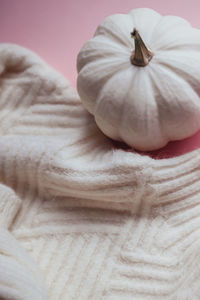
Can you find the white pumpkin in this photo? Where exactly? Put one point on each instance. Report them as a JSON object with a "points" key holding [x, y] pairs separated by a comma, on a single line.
{"points": [[142, 95]]}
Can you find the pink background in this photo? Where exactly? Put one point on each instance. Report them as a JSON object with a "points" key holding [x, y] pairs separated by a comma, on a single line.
{"points": [[57, 29]]}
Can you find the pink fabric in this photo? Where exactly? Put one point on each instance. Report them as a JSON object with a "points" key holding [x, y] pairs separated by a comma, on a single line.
{"points": [[56, 30]]}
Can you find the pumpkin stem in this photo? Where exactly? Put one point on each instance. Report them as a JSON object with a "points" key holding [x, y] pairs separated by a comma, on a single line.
{"points": [[142, 55]]}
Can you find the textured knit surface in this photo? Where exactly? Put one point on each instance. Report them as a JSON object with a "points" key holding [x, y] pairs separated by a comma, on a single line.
{"points": [[80, 219]]}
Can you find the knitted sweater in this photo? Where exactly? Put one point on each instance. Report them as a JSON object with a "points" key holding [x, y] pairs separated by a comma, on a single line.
{"points": [[80, 219]]}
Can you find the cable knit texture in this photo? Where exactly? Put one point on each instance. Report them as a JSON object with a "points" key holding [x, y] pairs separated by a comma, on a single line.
{"points": [[80, 219]]}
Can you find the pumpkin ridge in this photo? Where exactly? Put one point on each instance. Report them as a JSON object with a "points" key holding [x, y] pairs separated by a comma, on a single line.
{"points": [[105, 78], [180, 48], [155, 90], [160, 25], [187, 39], [179, 72], [92, 55], [98, 100], [120, 70], [158, 88], [112, 34], [162, 141], [152, 32], [103, 65], [120, 48], [137, 13], [123, 106]]}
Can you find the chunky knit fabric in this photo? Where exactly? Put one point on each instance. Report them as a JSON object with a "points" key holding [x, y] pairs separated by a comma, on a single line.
{"points": [[80, 219]]}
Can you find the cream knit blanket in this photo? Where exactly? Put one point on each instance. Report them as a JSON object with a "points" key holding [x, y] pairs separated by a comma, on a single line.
{"points": [[80, 219]]}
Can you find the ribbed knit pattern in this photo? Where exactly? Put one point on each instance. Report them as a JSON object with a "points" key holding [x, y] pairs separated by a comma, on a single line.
{"points": [[80, 219]]}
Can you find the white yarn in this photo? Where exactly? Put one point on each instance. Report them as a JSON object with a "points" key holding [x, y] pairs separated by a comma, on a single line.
{"points": [[95, 221], [19, 277]]}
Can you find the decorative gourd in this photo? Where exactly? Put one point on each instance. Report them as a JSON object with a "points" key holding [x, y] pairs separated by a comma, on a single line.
{"points": [[140, 78]]}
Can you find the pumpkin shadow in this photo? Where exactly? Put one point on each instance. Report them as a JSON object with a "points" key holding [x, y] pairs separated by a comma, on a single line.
{"points": [[172, 149]]}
